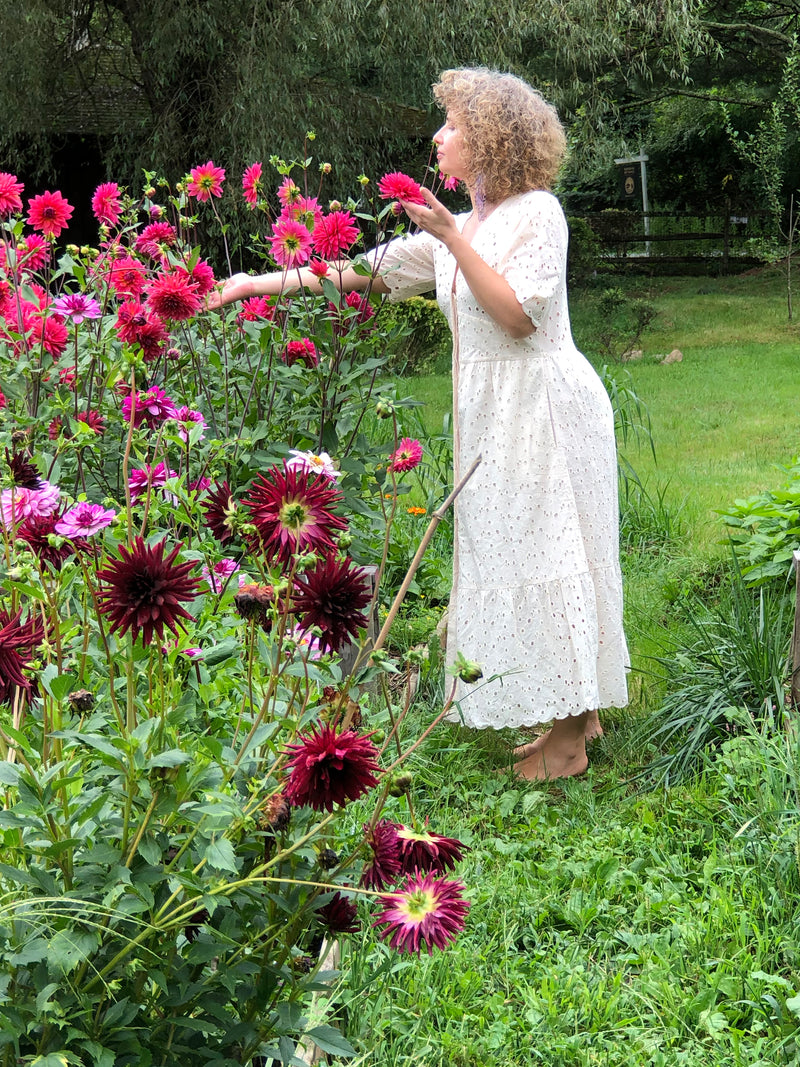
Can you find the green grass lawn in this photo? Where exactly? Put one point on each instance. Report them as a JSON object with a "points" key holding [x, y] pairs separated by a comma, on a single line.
{"points": [[613, 922]]}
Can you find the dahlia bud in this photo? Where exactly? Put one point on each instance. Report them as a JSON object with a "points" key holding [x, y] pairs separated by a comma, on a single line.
{"points": [[310, 135], [466, 669], [73, 250], [150, 191], [344, 540], [328, 859], [401, 783], [81, 700], [335, 205], [363, 180], [397, 208], [326, 168], [384, 409]]}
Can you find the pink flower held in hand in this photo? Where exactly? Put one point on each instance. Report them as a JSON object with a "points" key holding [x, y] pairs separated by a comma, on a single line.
{"points": [[398, 186], [76, 306], [290, 244], [329, 768], [106, 206], [49, 213], [205, 181], [407, 456], [251, 184], [10, 188], [427, 911], [84, 520]]}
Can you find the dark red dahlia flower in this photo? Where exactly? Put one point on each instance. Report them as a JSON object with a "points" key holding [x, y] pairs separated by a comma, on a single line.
{"points": [[94, 420], [142, 591], [428, 911], [17, 641], [35, 531], [330, 768], [339, 915], [220, 510], [427, 851], [332, 596], [291, 510], [173, 295], [385, 866], [24, 474]]}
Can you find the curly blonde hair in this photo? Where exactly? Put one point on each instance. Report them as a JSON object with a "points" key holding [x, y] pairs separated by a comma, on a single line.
{"points": [[513, 139]]}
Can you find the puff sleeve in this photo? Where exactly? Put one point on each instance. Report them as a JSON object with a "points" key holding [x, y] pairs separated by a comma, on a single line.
{"points": [[534, 264], [407, 265]]}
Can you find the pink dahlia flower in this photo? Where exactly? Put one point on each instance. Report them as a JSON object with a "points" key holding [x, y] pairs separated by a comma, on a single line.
{"points": [[407, 456], [155, 239], [10, 200], [205, 181], [428, 911], [127, 276], [303, 351], [49, 213], [187, 418], [155, 477], [450, 183], [290, 244], [33, 252], [76, 306], [217, 576], [106, 206], [173, 295], [251, 183], [84, 520], [334, 234], [398, 186], [288, 192]]}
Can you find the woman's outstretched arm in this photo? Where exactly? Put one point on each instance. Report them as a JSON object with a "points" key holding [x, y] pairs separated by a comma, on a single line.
{"points": [[243, 286]]}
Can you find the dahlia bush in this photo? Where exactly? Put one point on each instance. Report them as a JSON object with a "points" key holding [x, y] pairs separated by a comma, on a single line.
{"points": [[195, 514]]}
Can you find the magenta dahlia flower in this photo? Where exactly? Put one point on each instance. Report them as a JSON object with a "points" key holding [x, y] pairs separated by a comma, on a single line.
{"points": [[427, 911], [251, 184], [144, 591], [17, 642], [334, 234], [187, 418], [154, 477], [155, 239], [288, 192], [76, 306], [218, 575], [202, 274], [328, 768], [34, 252], [10, 200], [398, 186], [84, 520], [94, 420], [384, 867], [151, 406], [126, 275], [361, 304], [106, 205], [290, 244], [332, 596], [407, 457], [291, 510], [303, 351], [18, 503], [255, 308], [173, 295], [427, 851], [49, 213], [205, 181]]}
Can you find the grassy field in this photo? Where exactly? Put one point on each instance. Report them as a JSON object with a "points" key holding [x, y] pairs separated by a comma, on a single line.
{"points": [[615, 922]]}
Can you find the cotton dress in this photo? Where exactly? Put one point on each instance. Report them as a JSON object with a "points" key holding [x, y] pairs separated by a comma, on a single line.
{"points": [[537, 587]]}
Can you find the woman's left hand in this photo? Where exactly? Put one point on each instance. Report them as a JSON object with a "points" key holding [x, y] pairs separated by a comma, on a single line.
{"points": [[434, 218]]}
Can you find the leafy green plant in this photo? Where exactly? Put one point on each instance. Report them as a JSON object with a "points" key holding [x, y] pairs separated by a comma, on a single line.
{"points": [[765, 529]]}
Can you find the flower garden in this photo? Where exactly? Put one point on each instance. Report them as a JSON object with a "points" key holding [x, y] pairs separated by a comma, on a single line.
{"points": [[202, 515]]}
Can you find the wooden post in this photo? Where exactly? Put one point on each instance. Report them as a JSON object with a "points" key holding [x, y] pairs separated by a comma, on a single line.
{"points": [[795, 653]]}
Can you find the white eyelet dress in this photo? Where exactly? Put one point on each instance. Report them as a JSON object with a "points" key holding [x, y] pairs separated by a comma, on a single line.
{"points": [[537, 587]]}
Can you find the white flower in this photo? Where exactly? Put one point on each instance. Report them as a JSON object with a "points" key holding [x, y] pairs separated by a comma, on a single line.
{"points": [[318, 464]]}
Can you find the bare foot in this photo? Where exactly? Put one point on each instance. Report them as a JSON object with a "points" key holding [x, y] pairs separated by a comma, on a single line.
{"points": [[561, 753], [523, 751], [593, 727], [592, 732]]}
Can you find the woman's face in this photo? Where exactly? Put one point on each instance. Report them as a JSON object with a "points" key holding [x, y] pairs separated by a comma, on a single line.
{"points": [[450, 151]]}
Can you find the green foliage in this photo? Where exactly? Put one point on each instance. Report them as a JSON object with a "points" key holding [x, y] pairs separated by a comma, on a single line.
{"points": [[584, 252], [765, 530], [425, 344]]}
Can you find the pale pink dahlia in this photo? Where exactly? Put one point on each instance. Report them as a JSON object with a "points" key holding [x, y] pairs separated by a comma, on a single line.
{"points": [[84, 520]]}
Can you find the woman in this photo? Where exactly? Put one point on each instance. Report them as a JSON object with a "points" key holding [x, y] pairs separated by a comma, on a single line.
{"points": [[537, 589]]}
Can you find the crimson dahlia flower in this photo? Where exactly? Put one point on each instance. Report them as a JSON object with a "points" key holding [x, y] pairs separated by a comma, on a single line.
{"points": [[427, 911], [174, 295], [155, 239], [143, 591], [329, 768], [332, 596], [220, 510], [384, 866], [303, 351], [399, 186], [339, 915], [17, 641], [334, 234], [427, 851], [291, 510], [49, 213]]}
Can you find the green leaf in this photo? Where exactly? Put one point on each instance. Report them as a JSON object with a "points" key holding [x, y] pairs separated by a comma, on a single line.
{"points": [[9, 773], [220, 855], [57, 685], [793, 1005], [68, 948], [172, 757], [330, 1041]]}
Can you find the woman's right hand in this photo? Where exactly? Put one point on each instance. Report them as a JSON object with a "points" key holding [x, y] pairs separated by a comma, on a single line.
{"points": [[238, 287]]}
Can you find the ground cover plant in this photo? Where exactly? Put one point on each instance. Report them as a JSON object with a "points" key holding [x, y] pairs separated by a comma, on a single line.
{"points": [[188, 506]]}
